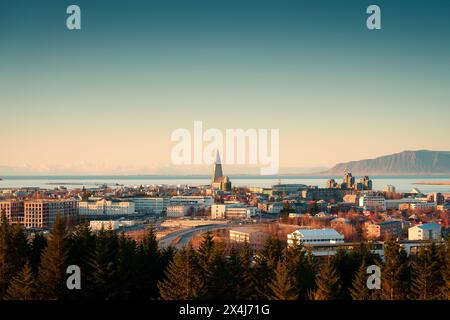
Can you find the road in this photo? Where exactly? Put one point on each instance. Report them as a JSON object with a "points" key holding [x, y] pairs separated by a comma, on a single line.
{"points": [[187, 234]]}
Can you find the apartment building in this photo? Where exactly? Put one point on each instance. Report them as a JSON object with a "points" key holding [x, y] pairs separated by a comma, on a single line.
{"points": [[232, 211], [314, 236], [42, 213], [372, 202], [254, 237], [384, 230], [103, 207], [13, 209], [427, 231], [179, 210], [147, 205]]}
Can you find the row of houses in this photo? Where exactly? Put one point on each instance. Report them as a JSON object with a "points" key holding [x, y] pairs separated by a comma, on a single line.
{"points": [[256, 238]]}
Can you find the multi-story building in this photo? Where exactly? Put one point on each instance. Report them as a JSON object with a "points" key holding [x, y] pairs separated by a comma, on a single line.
{"points": [[179, 210], [314, 236], [288, 188], [254, 237], [103, 207], [232, 211], [274, 208], [389, 188], [147, 205], [422, 205], [366, 183], [97, 225], [372, 202], [348, 179], [196, 200], [315, 193], [42, 213], [397, 203], [13, 209], [428, 231], [384, 230]]}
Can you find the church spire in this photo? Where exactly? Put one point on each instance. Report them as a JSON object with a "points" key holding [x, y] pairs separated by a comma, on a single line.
{"points": [[218, 167]]}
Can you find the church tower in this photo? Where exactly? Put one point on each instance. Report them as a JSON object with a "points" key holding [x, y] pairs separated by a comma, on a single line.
{"points": [[217, 168]]}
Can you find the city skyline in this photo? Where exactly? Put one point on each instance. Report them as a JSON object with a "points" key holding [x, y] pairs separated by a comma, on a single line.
{"points": [[105, 99]]}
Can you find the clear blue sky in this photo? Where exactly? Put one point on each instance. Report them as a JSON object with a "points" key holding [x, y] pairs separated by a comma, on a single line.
{"points": [[106, 98]]}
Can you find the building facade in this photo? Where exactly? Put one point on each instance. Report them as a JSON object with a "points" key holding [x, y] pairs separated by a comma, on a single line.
{"points": [[42, 213], [254, 237], [14, 210], [428, 231], [151, 206], [98, 208], [314, 237]]}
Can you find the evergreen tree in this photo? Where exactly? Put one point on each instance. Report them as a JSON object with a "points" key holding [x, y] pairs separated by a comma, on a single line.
{"points": [[395, 273], [103, 280], [426, 278], [128, 274], [6, 265], [151, 264], [240, 272], [23, 285], [359, 290], [266, 261], [283, 285], [327, 282], [183, 279], [52, 269], [38, 244], [299, 262], [20, 248], [445, 271], [346, 265], [206, 249], [82, 242], [214, 268]]}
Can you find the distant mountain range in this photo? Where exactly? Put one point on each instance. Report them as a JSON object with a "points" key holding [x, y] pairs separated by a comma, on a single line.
{"points": [[403, 163]]}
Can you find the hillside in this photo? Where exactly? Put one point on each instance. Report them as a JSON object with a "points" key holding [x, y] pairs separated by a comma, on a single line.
{"points": [[403, 163]]}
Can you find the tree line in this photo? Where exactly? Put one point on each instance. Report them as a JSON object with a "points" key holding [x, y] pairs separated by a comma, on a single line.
{"points": [[114, 266]]}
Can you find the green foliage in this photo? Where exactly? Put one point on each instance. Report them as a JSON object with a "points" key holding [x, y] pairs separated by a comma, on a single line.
{"points": [[283, 284], [426, 279], [240, 273], [183, 279], [117, 267], [395, 275], [23, 285], [52, 269], [359, 290], [328, 282], [266, 261], [103, 276]]}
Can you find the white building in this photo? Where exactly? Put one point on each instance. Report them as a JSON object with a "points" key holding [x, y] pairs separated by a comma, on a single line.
{"points": [[395, 203], [97, 225], [428, 231], [254, 237], [232, 211], [198, 200], [178, 210], [422, 205], [372, 202], [218, 211], [275, 208], [105, 208], [147, 205], [314, 236]]}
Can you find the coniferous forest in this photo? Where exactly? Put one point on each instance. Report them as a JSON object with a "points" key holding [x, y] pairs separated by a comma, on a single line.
{"points": [[113, 267]]}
